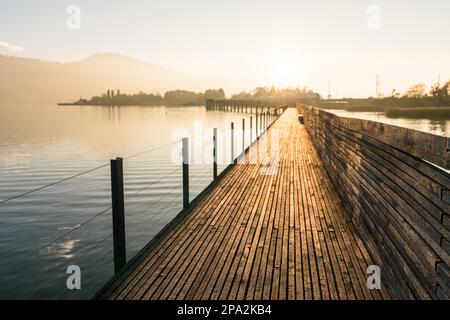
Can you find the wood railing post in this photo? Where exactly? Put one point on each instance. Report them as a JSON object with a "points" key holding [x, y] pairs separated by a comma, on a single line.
{"points": [[232, 142], [265, 120], [215, 153], [118, 214], [256, 122], [261, 115], [185, 152]]}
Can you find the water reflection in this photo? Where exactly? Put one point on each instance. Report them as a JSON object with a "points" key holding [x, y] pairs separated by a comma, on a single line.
{"points": [[438, 127], [63, 249]]}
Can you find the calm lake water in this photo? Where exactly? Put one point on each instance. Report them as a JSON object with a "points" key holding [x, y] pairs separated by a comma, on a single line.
{"points": [[43, 144], [441, 128], [44, 232]]}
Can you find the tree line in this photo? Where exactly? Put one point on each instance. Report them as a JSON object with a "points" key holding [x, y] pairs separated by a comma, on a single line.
{"points": [[296, 93], [174, 97], [420, 91], [437, 95], [191, 98]]}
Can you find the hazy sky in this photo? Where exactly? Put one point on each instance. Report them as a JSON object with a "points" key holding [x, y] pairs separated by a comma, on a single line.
{"points": [[241, 44]]}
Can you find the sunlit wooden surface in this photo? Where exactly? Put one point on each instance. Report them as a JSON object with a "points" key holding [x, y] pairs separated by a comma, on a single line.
{"points": [[256, 236]]}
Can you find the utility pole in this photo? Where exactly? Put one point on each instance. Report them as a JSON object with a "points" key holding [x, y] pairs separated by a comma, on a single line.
{"points": [[377, 90], [329, 89]]}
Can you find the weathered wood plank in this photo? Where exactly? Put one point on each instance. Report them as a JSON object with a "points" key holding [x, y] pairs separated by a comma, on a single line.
{"points": [[255, 236]]}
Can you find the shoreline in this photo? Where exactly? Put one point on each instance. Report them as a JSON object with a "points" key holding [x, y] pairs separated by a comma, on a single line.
{"points": [[125, 105], [431, 113]]}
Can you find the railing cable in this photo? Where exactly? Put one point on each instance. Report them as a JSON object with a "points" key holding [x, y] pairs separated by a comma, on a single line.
{"points": [[81, 174], [153, 183], [76, 228], [53, 183], [150, 150]]}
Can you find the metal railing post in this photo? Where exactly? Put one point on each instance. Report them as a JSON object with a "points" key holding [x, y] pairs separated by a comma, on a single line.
{"points": [[232, 142], [118, 214], [185, 152], [215, 153], [243, 136], [251, 129]]}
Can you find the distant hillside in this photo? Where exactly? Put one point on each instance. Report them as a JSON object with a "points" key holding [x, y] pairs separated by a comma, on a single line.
{"points": [[36, 81]]}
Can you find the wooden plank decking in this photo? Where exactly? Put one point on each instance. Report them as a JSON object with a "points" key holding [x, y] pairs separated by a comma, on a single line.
{"points": [[255, 236]]}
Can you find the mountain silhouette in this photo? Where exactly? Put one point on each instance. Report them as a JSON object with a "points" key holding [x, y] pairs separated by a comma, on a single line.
{"points": [[24, 80]]}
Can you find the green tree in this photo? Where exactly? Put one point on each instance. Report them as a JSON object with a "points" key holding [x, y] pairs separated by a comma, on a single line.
{"points": [[440, 92], [417, 91], [445, 90], [273, 91], [241, 96], [260, 92], [435, 90], [179, 97], [214, 94]]}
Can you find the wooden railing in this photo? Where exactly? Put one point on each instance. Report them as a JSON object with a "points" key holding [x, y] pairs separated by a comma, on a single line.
{"points": [[398, 201]]}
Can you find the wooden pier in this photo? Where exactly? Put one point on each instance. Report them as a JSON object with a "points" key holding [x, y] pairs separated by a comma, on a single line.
{"points": [[284, 235], [245, 106]]}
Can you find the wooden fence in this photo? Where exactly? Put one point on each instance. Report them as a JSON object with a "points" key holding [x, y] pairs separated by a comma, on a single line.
{"points": [[397, 199]]}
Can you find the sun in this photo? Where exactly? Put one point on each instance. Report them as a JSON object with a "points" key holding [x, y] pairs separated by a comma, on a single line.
{"points": [[284, 71]]}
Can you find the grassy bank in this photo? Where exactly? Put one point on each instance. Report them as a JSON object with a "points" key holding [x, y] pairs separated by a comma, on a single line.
{"points": [[355, 105], [385, 104], [435, 113]]}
